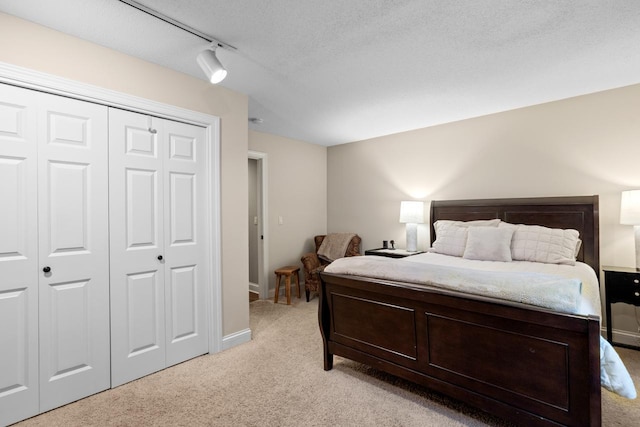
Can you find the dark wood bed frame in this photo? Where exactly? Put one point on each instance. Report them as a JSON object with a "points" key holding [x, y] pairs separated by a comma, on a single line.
{"points": [[522, 363]]}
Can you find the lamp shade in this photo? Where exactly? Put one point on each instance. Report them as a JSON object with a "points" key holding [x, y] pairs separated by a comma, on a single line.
{"points": [[213, 69], [630, 207], [412, 212]]}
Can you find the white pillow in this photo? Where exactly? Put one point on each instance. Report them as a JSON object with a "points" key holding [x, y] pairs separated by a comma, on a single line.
{"points": [[489, 243], [451, 236], [450, 240], [541, 244], [475, 223]]}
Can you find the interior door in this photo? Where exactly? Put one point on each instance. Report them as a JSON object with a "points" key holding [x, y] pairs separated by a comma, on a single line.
{"points": [[137, 239], [73, 250], [186, 250], [253, 225], [18, 255]]}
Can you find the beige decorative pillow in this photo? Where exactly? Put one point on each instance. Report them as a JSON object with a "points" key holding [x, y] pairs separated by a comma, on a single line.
{"points": [[451, 240], [541, 244], [475, 223], [451, 236], [489, 243]]}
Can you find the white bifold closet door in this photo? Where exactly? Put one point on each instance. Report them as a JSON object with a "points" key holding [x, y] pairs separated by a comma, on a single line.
{"points": [[19, 272], [54, 265], [159, 262], [73, 243]]}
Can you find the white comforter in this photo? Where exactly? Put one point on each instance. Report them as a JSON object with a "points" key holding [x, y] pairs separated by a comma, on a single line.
{"points": [[542, 290], [613, 374]]}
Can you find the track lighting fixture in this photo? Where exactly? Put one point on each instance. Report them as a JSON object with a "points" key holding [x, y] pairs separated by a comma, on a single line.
{"points": [[211, 66], [207, 58]]}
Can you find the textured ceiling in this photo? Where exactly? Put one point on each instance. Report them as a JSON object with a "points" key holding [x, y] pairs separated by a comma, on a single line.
{"points": [[336, 71]]}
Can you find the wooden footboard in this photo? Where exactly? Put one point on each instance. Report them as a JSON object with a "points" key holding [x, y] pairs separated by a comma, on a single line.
{"points": [[525, 364]]}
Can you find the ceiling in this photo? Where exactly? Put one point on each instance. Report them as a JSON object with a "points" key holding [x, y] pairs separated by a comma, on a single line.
{"points": [[335, 71]]}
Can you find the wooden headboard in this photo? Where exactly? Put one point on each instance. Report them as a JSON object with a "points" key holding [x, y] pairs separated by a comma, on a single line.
{"points": [[579, 213]]}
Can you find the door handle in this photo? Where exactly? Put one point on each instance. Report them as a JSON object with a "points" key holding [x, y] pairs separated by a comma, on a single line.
{"points": [[159, 257], [46, 269]]}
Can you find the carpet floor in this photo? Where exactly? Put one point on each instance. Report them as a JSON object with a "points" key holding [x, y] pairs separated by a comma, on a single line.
{"points": [[277, 379]]}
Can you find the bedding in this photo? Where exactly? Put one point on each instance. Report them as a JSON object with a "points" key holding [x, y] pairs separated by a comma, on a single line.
{"points": [[590, 290], [613, 374], [565, 288], [542, 290]]}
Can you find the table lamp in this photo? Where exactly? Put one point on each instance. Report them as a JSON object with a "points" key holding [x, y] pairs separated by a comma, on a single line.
{"points": [[630, 215], [412, 214]]}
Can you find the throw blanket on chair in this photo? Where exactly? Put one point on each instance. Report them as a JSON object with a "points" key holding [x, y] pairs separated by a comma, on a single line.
{"points": [[334, 246]]}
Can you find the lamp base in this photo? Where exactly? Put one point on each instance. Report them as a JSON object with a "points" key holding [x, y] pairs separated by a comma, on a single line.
{"points": [[412, 237]]}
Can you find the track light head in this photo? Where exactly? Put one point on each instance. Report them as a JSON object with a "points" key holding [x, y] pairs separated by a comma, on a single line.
{"points": [[211, 66]]}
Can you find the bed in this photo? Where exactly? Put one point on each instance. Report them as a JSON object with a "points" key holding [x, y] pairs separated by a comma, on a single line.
{"points": [[524, 363]]}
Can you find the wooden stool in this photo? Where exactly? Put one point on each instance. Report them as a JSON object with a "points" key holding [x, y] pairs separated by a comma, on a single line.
{"points": [[287, 272]]}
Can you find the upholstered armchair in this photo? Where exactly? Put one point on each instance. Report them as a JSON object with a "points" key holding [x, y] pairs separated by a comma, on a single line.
{"points": [[313, 264]]}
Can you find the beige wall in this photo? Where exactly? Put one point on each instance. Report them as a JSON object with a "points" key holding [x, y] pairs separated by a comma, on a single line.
{"points": [[580, 146], [32, 46], [297, 191]]}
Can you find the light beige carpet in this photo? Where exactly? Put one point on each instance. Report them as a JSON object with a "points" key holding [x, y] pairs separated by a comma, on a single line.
{"points": [[277, 379]]}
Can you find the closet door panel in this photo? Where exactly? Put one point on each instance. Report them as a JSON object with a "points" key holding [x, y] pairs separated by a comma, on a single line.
{"points": [[141, 209], [137, 275], [185, 241], [143, 292], [18, 255], [73, 248], [13, 217], [68, 205], [68, 321]]}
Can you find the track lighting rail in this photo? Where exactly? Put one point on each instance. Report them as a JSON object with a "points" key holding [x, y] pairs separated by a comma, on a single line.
{"points": [[177, 24]]}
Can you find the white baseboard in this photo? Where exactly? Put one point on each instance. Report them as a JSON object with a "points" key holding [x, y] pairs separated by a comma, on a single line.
{"points": [[283, 290], [236, 338], [272, 292], [254, 287], [623, 337]]}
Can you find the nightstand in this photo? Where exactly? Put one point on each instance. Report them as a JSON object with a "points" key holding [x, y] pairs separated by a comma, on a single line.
{"points": [[391, 253], [622, 284]]}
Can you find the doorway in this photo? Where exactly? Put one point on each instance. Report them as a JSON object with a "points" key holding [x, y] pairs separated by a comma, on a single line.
{"points": [[256, 220]]}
